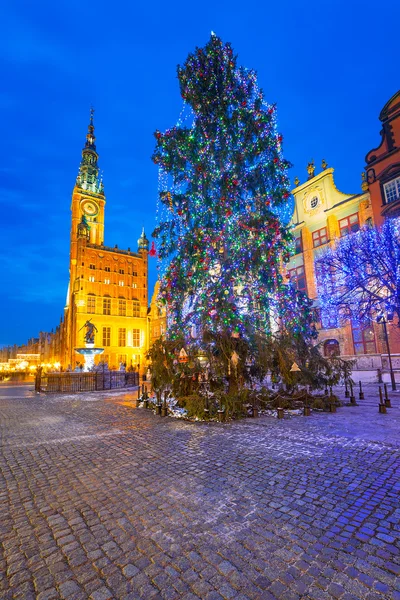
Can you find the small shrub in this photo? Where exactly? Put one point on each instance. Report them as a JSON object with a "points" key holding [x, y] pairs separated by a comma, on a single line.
{"points": [[318, 403], [194, 405]]}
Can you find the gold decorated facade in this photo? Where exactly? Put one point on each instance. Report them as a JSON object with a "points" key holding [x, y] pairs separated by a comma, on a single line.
{"points": [[107, 285]]}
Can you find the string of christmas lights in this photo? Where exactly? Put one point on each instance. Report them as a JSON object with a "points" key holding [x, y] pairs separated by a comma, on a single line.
{"points": [[359, 277], [224, 205]]}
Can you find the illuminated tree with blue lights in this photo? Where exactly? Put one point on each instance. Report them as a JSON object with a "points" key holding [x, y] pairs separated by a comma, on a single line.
{"points": [[359, 277], [224, 205]]}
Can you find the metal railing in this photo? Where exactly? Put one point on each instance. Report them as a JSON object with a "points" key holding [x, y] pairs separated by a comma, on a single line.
{"points": [[85, 382]]}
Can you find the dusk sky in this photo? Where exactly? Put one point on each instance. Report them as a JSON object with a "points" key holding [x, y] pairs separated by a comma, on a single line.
{"points": [[329, 66]]}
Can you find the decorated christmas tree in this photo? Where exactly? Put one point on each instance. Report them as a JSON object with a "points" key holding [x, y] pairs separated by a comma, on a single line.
{"points": [[224, 207]]}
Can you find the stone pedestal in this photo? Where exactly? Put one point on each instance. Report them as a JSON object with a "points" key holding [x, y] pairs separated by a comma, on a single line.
{"points": [[89, 352]]}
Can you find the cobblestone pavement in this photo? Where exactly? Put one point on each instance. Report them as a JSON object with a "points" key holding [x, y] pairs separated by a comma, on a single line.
{"points": [[101, 500]]}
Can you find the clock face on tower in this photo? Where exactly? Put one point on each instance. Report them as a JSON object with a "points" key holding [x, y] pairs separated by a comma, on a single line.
{"points": [[89, 207]]}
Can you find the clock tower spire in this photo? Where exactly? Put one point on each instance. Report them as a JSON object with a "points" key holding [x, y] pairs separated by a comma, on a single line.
{"points": [[88, 176]]}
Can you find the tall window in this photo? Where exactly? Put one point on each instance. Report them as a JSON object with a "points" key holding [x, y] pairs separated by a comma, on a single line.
{"points": [[134, 285], [134, 273], [91, 278], [297, 276], [136, 338], [108, 269], [122, 337], [122, 307], [320, 237], [135, 308], [392, 190], [348, 225], [120, 283], [122, 359], [298, 244], [106, 336], [92, 266], [107, 281], [121, 271], [91, 304], [106, 306], [363, 339]]}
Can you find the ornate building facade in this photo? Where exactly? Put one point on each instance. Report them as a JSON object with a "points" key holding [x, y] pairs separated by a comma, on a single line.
{"points": [[383, 164], [322, 214], [107, 285]]}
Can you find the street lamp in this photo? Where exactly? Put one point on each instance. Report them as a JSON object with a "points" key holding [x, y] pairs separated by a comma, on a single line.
{"points": [[384, 318]]}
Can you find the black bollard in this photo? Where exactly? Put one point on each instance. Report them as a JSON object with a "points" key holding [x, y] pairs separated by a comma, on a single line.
{"points": [[352, 396], [346, 393], [382, 407], [361, 393], [388, 404]]}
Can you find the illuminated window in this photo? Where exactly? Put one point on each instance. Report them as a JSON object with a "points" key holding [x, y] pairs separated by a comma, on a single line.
{"points": [[392, 190], [106, 281], [92, 266], [298, 278], [91, 304], [91, 278], [136, 338], [348, 225], [363, 339], [106, 306], [106, 336], [320, 237], [121, 283], [122, 337], [135, 308], [121, 271], [108, 269], [134, 285], [122, 307]]}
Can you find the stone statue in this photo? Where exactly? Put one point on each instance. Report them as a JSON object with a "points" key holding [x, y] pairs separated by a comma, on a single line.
{"points": [[311, 169], [90, 329]]}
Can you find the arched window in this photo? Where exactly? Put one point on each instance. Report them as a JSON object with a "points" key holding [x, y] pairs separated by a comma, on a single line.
{"points": [[331, 348]]}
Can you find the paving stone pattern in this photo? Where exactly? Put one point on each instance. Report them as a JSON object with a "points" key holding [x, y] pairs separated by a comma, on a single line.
{"points": [[101, 500]]}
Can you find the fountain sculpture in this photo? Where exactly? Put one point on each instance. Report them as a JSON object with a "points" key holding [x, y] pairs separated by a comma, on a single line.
{"points": [[89, 351]]}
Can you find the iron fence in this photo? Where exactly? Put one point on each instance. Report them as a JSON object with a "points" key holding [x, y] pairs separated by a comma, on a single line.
{"points": [[85, 382]]}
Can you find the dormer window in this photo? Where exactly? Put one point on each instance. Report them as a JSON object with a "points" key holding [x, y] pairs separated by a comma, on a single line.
{"points": [[392, 190]]}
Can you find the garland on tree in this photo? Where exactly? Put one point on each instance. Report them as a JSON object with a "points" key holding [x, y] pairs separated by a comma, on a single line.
{"points": [[224, 207]]}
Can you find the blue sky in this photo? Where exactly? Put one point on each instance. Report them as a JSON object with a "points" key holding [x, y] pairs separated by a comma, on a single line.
{"points": [[330, 67]]}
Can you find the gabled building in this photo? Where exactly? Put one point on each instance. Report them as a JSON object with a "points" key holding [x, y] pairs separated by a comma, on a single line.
{"points": [[383, 165], [322, 214]]}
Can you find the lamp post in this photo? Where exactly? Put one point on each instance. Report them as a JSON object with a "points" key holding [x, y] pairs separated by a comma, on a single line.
{"points": [[384, 318]]}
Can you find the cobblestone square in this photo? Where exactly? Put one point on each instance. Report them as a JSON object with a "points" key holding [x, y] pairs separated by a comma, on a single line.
{"points": [[101, 500]]}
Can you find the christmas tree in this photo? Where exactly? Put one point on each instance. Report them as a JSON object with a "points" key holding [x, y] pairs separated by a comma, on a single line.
{"points": [[224, 206]]}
